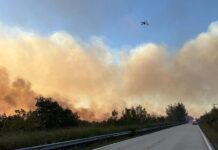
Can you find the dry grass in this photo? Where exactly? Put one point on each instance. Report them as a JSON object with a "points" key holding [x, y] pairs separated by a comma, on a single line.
{"points": [[25, 139], [212, 135]]}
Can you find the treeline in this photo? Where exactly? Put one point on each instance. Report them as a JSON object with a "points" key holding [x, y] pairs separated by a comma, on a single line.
{"points": [[49, 115], [139, 115], [210, 119]]}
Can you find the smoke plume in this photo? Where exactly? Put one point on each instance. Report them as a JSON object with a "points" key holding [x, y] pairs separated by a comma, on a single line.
{"points": [[87, 77]]}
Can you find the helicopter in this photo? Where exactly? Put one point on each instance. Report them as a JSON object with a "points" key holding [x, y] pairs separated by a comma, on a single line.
{"points": [[144, 23]]}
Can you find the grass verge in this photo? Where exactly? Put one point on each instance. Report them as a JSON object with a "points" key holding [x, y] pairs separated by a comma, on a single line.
{"points": [[21, 139], [212, 135]]}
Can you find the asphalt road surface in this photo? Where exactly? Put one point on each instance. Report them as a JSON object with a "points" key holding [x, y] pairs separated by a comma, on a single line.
{"points": [[183, 137]]}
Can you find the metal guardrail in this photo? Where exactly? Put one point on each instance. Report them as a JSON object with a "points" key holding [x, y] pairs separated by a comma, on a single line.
{"points": [[94, 138]]}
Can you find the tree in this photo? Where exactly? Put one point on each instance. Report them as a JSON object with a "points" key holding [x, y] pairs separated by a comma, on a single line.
{"points": [[113, 118], [211, 118], [33, 121], [176, 112], [14, 122], [134, 114], [114, 115], [52, 115]]}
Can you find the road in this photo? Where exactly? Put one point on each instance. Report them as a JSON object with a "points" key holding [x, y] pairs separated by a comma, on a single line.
{"points": [[183, 137]]}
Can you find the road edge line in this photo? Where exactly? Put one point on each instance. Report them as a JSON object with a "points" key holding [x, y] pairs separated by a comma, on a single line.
{"points": [[209, 146]]}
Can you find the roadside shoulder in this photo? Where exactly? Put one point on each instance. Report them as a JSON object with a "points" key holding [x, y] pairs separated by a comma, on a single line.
{"points": [[209, 146]]}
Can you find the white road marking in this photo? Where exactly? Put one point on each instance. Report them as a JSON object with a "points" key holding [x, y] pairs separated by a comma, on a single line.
{"points": [[206, 140]]}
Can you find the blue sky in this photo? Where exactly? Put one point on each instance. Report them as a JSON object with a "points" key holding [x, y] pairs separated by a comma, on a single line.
{"points": [[172, 22]]}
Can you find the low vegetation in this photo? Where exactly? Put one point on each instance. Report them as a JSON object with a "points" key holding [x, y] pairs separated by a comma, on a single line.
{"points": [[50, 122], [209, 124]]}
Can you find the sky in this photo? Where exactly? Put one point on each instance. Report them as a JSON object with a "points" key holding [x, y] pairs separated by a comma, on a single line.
{"points": [[172, 22], [94, 56]]}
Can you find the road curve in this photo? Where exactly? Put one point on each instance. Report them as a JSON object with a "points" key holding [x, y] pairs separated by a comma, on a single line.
{"points": [[183, 137]]}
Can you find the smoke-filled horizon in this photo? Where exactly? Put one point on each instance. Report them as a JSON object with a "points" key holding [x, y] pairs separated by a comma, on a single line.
{"points": [[87, 76]]}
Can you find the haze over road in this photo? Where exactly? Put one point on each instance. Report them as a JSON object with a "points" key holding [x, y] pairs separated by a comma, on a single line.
{"points": [[183, 137]]}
